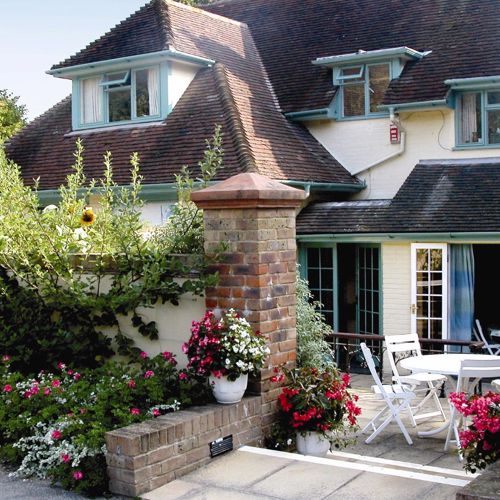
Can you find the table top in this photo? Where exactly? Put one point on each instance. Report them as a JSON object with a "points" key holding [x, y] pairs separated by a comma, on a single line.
{"points": [[444, 364]]}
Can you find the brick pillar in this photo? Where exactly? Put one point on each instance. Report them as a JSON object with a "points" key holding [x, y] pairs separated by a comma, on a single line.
{"points": [[255, 217]]}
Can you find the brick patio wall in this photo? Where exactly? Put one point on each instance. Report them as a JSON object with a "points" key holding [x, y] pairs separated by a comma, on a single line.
{"points": [[255, 217]]}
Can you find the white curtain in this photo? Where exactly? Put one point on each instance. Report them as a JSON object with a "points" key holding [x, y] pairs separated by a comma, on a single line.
{"points": [[91, 100], [154, 91], [469, 118]]}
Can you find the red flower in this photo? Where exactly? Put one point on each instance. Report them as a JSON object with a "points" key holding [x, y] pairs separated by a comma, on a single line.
{"points": [[183, 376], [131, 383], [156, 412], [143, 355], [55, 383], [7, 388], [65, 458], [56, 435], [149, 374], [78, 475], [135, 411], [5, 358]]}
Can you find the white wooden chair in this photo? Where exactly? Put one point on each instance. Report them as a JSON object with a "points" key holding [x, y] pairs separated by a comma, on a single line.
{"points": [[493, 349], [471, 372], [396, 397], [427, 383]]}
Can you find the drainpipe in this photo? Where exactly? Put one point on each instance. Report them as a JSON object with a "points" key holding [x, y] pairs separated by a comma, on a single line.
{"points": [[401, 150]]}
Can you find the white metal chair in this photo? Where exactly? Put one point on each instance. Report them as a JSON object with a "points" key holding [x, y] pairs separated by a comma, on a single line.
{"points": [[431, 382], [471, 372], [493, 349], [396, 397]]}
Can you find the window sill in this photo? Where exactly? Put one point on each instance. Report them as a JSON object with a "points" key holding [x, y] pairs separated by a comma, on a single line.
{"points": [[117, 126], [464, 147], [375, 116]]}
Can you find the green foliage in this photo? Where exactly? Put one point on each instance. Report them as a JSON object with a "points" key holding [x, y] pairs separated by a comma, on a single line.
{"points": [[53, 425], [12, 115], [183, 231], [312, 348], [66, 272]]}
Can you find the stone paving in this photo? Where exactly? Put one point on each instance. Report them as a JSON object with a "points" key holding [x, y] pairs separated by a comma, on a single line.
{"points": [[388, 468]]}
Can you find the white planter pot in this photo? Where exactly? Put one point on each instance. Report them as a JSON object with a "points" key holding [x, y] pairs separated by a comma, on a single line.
{"points": [[312, 443], [226, 391]]}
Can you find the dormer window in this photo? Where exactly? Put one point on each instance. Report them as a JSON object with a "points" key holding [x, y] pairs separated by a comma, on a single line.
{"points": [[362, 79], [120, 96]]}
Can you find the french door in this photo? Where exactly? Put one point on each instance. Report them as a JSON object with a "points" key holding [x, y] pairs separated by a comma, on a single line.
{"points": [[429, 290]]}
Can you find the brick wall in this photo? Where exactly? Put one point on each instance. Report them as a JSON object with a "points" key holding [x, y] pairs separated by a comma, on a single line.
{"points": [[145, 456]]}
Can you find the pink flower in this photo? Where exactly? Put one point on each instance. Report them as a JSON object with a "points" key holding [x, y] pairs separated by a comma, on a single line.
{"points": [[135, 411], [156, 412], [131, 383], [7, 388], [185, 348], [70, 372], [77, 376], [55, 383], [183, 376], [56, 435], [78, 475], [65, 458], [47, 391], [5, 358], [144, 355], [149, 374], [61, 366]]}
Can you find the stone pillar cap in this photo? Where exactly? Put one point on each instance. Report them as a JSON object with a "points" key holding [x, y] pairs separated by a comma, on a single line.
{"points": [[248, 190]]}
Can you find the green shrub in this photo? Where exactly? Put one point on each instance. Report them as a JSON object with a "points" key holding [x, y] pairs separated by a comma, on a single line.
{"points": [[53, 425]]}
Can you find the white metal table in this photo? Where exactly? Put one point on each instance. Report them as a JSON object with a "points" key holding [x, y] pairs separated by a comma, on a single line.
{"points": [[443, 364]]}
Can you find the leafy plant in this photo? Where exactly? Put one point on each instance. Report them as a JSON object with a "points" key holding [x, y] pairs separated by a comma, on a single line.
{"points": [[68, 271], [312, 348], [224, 347], [480, 441], [314, 400], [53, 425]]}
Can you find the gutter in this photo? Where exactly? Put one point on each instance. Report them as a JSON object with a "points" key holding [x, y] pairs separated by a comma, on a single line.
{"points": [[400, 151], [414, 105], [311, 114], [125, 61], [380, 237], [325, 186]]}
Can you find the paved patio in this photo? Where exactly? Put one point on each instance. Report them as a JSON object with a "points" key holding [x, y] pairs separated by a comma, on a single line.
{"points": [[388, 468]]}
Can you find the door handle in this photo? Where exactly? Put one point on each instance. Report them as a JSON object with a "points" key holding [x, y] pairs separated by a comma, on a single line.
{"points": [[413, 309]]}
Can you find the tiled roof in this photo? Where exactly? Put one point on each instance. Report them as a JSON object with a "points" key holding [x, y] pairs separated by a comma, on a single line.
{"points": [[235, 93], [438, 196], [463, 37]]}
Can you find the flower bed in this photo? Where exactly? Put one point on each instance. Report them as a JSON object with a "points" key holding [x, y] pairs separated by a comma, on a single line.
{"points": [[53, 425]]}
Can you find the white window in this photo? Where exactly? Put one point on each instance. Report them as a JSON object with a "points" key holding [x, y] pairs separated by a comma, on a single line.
{"points": [[121, 96]]}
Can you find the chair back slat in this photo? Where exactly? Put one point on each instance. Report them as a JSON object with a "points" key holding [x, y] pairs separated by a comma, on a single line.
{"points": [[403, 343], [371, 366]]}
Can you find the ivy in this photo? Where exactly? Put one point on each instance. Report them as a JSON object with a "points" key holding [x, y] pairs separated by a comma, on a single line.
{"points": [[67, 272]]}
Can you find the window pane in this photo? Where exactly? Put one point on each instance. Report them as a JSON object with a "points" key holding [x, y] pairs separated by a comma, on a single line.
{"points": [[142, 93], [119, 105], [494, 127], [313, 257], [469, 106], [112, 77], [352, 74], [378, 83], [422, 259], [354, 100], [326, 257], [494, 97]]}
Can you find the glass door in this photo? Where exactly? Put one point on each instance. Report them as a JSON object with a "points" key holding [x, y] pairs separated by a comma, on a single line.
{"points": [[368, 289], [429, 290]]}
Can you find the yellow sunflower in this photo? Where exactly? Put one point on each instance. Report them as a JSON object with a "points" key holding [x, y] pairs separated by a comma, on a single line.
{"points": [[88, 217]]}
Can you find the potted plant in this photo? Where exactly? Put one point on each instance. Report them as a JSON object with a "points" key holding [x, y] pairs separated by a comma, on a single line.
{"points": [[316, 407], [480, 441], [225, 350]]}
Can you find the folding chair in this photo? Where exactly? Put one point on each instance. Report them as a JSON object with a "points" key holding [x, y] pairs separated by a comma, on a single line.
{"points": [[432, 382], [397, 398], [493, 349], [471, 372]]}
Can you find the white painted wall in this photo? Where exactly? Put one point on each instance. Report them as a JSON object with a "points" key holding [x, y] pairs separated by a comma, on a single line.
{"points": [[359, 143], [155, 213], [396, 279], [181, 75]]}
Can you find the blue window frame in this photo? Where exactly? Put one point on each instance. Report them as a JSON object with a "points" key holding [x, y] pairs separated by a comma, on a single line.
{"points": [[130, 95], [478, 118], [362, 89]]}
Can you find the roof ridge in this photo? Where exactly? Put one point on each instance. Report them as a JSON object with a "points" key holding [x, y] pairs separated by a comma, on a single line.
{"points": [[165, 23], [243, 148], [200, 10]]}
